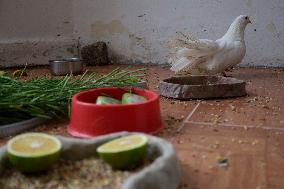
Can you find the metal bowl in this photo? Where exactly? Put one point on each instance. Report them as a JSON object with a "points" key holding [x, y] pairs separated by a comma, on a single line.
{"points": [[65, 66]]}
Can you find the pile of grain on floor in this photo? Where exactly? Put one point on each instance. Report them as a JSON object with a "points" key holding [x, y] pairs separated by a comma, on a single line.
{"points": [[88, 173]]}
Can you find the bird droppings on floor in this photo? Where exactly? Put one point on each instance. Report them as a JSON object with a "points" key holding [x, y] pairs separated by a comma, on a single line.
{"points": [[248, 131]]}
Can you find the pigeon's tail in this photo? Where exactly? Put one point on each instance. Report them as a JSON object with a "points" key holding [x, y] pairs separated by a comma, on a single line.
{"points": [[186, 60], [181, 65], [190, 54]]}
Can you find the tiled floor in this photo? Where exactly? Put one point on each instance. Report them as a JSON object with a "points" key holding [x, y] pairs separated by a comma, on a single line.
{"points": [[247, 132], [229, 143], [254, 157]]}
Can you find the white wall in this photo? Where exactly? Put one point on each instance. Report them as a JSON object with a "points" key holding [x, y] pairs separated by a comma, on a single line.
{"points": [[137, 29], [31, 31], [35, 19]]}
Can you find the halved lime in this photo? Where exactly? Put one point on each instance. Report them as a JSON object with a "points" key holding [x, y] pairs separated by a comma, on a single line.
{"points": [[107, 100], [33, 152], [125, 152], [129, 98]]}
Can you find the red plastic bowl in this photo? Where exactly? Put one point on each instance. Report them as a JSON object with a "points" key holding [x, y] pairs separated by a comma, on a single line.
{"points": [[89, 119]]}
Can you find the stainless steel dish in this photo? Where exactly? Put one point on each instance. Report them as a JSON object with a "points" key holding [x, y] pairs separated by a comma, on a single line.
{"points": [[65, 66]]}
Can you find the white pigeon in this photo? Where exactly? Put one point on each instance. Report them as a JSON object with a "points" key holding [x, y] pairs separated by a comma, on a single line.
{"points": [[208, 57]]}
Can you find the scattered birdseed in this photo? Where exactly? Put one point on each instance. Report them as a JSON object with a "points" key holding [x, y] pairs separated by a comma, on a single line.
{"points": [[223, 162], [88, 173], [233, 108], [254, 142]]}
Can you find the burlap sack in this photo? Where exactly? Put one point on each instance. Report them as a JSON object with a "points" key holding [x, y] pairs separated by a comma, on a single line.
{"points": [[163, 173]]}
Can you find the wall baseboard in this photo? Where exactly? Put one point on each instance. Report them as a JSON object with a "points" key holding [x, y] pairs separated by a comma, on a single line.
{"points": [[34, 53], [16, 54]]}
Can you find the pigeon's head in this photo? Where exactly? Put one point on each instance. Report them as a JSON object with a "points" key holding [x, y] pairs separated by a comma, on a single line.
{"points": [[237, 28], [244, 19]]}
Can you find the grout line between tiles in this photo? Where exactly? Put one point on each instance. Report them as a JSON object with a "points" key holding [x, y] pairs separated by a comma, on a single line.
{"points": [[235, 125], [188, 117]]}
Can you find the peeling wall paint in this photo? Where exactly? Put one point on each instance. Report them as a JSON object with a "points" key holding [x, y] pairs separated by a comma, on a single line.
{"points": [[248, 3], [136, 30], [100, 29], [271, 27], [34, 53]]}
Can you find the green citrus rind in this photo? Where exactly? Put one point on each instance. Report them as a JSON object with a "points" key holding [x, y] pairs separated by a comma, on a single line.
{"points": [[129, 98], [30, 163], [125, 158], [101, 100]]}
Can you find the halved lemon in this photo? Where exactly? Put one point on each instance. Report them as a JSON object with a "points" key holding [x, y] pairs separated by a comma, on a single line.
{"points": [[125, 152], [33, 152]]}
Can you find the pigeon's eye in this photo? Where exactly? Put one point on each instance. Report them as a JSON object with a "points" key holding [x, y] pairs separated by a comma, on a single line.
{"points": [[246, 17]]}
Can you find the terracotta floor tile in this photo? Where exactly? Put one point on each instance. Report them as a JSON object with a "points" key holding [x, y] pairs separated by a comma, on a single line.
{"points": [[275, 161], [239, 112], [255, 156], [264, 105]]}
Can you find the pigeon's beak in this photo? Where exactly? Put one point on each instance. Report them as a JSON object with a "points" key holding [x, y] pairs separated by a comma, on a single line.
{"points": [[249, 21]]}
